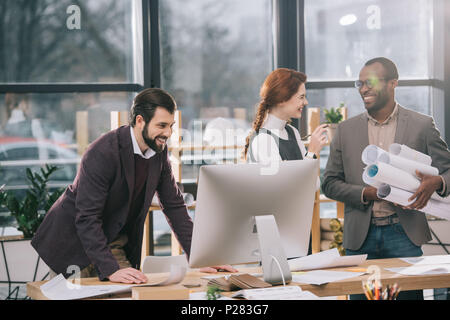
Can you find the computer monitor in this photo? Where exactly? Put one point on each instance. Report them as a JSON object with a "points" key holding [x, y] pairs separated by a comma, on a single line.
{"points": [[236, 204]]}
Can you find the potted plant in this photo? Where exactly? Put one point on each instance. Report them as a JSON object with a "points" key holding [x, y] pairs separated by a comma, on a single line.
{"points": [[333, 116], [21, 262]]}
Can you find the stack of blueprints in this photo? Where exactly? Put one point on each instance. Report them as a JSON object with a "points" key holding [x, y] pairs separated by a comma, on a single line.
{"points": [[393, 173]]}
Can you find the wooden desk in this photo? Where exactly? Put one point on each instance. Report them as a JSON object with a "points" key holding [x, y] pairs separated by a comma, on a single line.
{"points": [[339, 288], [16, 237]]}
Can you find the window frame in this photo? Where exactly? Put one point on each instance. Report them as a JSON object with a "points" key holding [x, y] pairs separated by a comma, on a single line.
{"points": [[150, 58], [432, 82], [289, 51]]}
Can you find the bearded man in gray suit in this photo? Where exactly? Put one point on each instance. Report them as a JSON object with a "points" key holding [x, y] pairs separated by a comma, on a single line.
{"points": [[373, 226]]}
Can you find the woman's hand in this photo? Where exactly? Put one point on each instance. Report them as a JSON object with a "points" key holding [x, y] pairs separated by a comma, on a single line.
{"points": [[318, 139]]}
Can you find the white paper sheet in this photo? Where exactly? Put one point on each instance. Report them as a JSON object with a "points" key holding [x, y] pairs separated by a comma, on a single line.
{"points": [[395, 195], [397, 178], [61, 289], [187, 197], [388, 174], [428, 260], [404, 151], [371, 153], [407, 165], [276, 293], [422, 269], [258, 275], [176, 275], [325, 259], [319, 277], [370, 181]]}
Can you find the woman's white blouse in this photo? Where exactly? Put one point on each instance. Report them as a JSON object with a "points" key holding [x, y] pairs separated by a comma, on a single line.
{"points": [[264, 147]]}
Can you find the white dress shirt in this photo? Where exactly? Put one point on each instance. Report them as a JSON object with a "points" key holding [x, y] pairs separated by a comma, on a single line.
{"points": [[148, 153]]}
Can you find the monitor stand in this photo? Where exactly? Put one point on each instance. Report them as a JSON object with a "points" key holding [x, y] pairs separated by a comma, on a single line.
{"points": [[274, 261]]}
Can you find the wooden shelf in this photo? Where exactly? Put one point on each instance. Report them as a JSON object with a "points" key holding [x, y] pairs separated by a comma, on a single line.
{"points": [[313, 123]]}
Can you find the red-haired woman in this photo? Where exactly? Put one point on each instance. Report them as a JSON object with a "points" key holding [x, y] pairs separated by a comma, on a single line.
{"points": [[283, 97]]}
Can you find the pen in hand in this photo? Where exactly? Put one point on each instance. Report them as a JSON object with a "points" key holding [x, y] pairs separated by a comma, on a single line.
{"points": [[309, 135]]}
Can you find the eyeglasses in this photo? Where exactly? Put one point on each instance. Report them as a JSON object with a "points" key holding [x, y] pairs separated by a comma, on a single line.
{"points": [[370, 83]]}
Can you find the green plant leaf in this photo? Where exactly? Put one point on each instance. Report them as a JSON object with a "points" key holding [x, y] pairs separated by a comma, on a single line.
{"points": [[213, 293], [29, 174], [30, 212], [333, 115]]}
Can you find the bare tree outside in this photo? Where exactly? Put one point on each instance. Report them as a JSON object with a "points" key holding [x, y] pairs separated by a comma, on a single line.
{"points": [[37, 46], [215, 53]]}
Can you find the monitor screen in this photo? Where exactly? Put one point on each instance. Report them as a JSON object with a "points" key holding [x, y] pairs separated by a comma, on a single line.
{"points": [[230, 196]]}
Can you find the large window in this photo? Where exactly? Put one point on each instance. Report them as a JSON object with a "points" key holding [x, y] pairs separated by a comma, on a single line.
{"points": [[414, 98], [214, 57], [64, 66], [63, 60], [341, 35], [67, 41]]}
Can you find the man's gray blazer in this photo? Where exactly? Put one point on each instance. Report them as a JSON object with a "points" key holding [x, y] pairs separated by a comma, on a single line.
{"points": [[343, 175]]}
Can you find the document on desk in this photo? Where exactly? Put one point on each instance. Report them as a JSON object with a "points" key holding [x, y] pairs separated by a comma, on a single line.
{"points": [[61, 289], [427, 260], [319, 277], [176, 275], [258, 275], [422, 270], [276, 293], [325, 259]]}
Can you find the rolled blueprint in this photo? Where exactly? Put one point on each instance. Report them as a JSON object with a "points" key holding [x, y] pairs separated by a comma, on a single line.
{"points": [[371, 154], [407, 165], [385, 173], [406, 152], [370, 181], [399, 196]]}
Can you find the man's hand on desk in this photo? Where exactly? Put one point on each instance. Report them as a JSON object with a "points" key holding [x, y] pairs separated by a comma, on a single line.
{"points": [[224, 268], [128, 275]]}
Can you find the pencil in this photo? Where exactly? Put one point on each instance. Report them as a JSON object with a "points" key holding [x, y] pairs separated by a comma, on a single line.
{"points": [[366, 292], [393, 290], [396, 294]]}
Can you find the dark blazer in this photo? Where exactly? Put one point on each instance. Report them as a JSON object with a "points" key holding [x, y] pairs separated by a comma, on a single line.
{"points": [[94, 209], [343, 175]]}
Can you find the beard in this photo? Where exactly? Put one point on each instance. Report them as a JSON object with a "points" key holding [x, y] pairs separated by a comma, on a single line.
{"points": [[380, 102], [152, 142]]}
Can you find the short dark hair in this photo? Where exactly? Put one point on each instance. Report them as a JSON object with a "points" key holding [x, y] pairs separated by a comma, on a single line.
{"points": [[146, 102], [388, 65]]}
